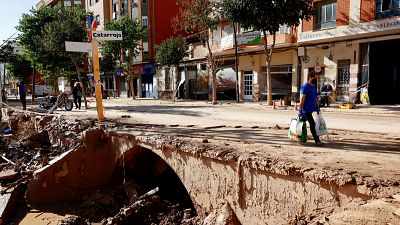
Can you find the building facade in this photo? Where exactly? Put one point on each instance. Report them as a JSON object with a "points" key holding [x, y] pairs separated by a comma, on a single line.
{"points": [[353, 45], [67, 3]]}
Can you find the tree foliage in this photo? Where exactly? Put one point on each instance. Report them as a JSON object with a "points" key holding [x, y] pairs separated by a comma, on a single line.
{"points": [[124, 51], [200, 16], [171, 51], [43, 35], [267, 16], [20, 67], [6, 53], [131, 33]]}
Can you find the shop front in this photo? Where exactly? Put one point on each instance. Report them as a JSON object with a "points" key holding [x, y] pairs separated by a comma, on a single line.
{"points": [[147, 84], [381, 74]]}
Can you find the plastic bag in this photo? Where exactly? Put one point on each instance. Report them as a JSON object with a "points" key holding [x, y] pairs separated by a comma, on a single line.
{"points": [[298, 130], [320, 125]]}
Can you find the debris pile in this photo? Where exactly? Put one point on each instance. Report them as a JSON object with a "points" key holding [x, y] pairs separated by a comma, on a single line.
{"points": [[126, 201]]}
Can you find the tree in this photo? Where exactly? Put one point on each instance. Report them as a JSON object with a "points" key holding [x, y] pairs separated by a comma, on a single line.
{"points": [[171, 53], [43, 35], [131, 33], [200, 16], [267, 16], [6, 56]]}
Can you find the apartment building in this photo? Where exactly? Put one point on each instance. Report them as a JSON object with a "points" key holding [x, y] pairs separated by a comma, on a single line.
{"points": [[100, 10], [67, 3], [155, 16], [353, 45]]}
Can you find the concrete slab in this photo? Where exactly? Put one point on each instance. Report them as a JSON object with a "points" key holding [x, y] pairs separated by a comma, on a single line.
{"points": [[8, 204]]}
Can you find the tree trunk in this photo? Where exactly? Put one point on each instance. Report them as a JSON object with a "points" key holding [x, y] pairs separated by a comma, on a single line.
{"points": [[132, 89], [268, 54], [131, 61], [213, 73]]}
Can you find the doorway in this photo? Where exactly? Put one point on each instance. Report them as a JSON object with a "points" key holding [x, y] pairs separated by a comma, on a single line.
{"points": [[384, 72], [343, 80], [248, 85]]}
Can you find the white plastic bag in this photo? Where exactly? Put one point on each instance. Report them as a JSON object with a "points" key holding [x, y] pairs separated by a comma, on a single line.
{"points": [[320, 125], [299, 127]]}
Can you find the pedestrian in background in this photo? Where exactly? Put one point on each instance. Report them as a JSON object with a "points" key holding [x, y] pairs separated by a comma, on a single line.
{"points": [[308, 103], [22, 93], [77, 93]]}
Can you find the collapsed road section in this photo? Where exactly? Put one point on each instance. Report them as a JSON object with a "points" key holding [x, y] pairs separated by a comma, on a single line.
{"points": [[89, 173]]}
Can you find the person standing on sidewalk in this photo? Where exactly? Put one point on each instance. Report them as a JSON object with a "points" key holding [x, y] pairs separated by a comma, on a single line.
{"points": [[22, 93], [77, 93], [308, 103]]}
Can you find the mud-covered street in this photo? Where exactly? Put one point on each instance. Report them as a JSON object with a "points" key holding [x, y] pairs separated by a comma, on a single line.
{"points": [[157, 173]]}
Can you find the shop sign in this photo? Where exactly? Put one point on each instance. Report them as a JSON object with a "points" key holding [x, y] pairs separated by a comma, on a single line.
{"points": [[250, 38], [143, 69]]}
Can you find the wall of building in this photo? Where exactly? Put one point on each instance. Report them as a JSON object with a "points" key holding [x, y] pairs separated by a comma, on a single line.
{"points": [[164, 11], [340, 51], [100, 8]]}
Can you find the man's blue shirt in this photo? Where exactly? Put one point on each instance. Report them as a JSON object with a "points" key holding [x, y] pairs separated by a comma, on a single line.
{"points": [[22, 89], [311, 97]]}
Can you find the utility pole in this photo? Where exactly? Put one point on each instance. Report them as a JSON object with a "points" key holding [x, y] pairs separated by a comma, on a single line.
{"points": [[236, 63]]}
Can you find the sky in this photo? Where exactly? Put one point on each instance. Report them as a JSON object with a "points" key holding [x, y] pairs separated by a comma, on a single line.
{"points": [[10, 13]]}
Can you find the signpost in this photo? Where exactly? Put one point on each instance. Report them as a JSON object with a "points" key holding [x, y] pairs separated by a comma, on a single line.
{"points": [[100, 36], [71, 46], [87, 47]]}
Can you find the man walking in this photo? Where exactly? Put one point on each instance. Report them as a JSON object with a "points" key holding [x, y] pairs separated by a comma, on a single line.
{"points": [[22, 94], [308, 103]]}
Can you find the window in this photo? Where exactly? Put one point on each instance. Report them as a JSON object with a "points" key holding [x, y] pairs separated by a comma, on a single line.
{"points": [[217, 36], [115, 11], [144, 1], [124, 8], [387, 8], [135, 12], [144, 21], [98, 19], [91, 2], [167, 79], [326, 15], [227, 30], [97, 1]]}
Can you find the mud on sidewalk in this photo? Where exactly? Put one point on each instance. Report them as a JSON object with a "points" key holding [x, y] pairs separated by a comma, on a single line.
{"points": [[273, 180]]}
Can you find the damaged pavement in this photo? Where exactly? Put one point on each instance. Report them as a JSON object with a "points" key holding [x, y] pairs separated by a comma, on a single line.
{"points": [[56, 171], [35, 145]]}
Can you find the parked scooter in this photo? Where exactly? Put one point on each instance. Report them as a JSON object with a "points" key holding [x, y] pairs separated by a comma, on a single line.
{"points": [[60, 101]]}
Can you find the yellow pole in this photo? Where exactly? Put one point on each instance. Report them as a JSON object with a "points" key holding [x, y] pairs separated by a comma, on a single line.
{"points": [[97, 82]]}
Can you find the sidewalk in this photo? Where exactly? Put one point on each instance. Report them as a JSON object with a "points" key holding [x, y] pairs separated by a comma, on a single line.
{"points": [[375, 119]]}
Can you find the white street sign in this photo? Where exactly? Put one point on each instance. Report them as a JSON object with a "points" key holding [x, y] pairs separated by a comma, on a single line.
{"points": [[71, 46], [107, 35]]}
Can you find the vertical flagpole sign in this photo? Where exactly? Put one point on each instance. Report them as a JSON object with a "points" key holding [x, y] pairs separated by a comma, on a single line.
{"points": [[95, 36]]}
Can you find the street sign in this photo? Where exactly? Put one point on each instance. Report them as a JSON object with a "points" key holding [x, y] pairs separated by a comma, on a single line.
{"points": [[71, 46], [107, 35]]}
